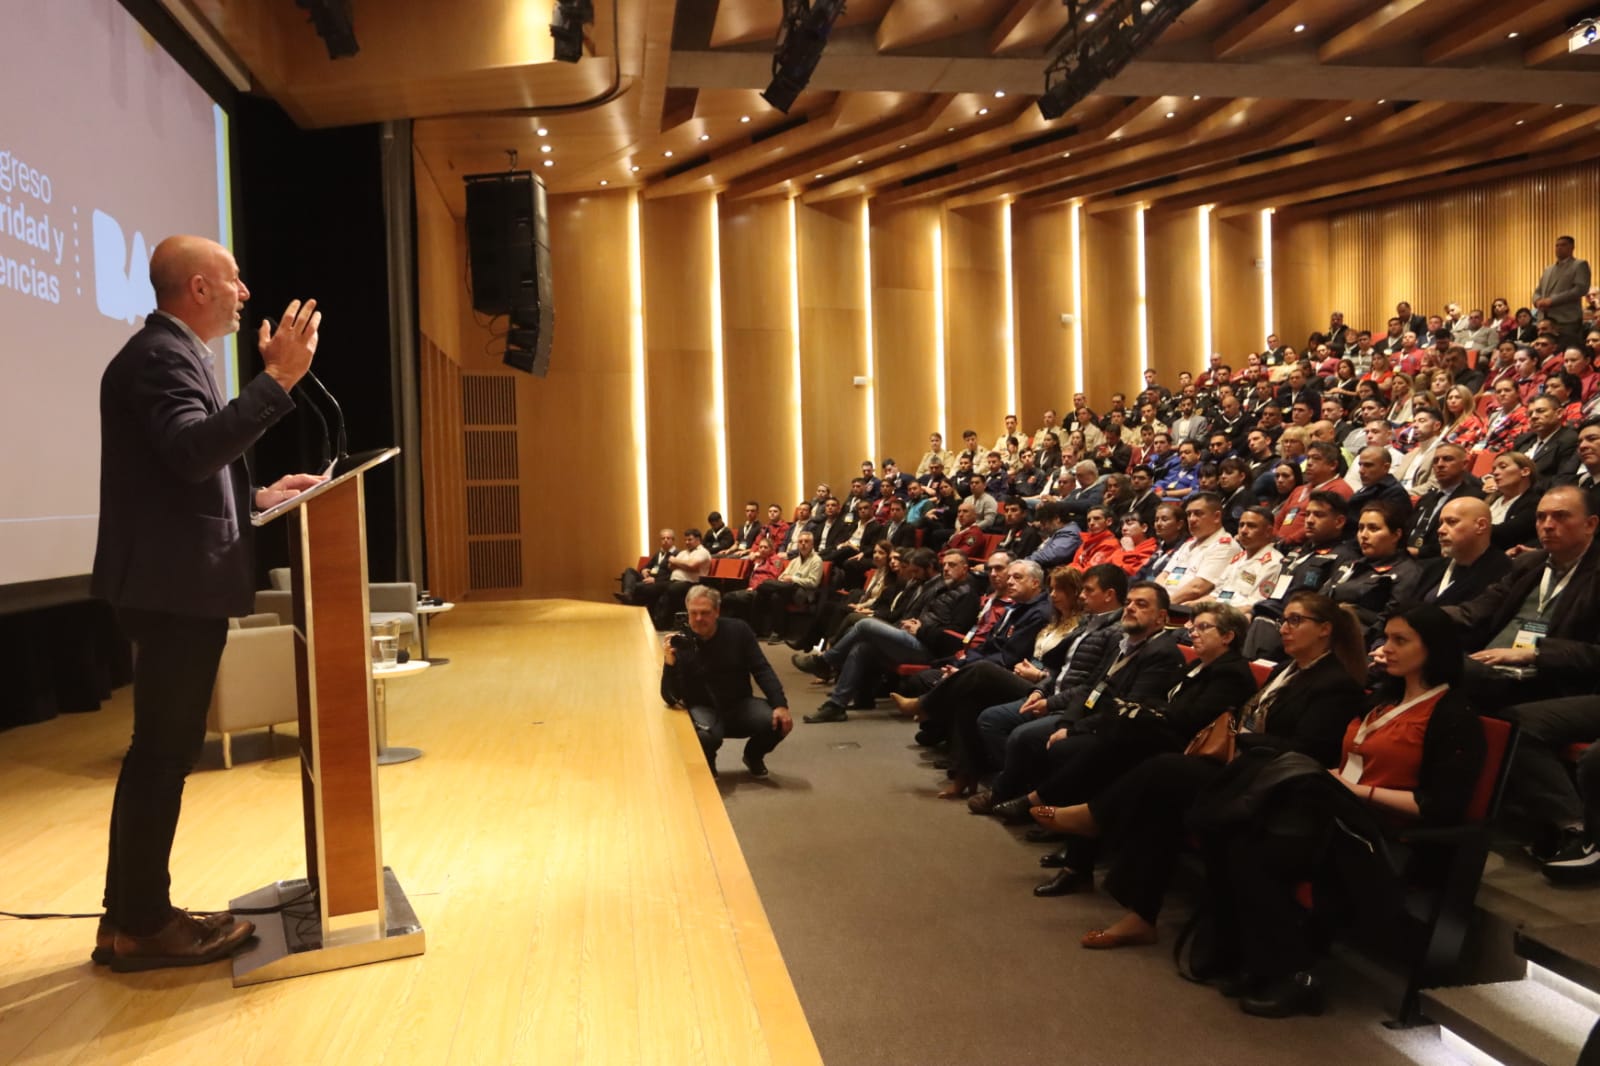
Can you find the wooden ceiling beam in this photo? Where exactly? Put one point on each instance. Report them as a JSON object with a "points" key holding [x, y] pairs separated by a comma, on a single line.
{"points": [[1490, 25], [1392, 20], [1019, 12], [1531, 139], [1551, 48], [770, 179], [1246, 34], [749, 155]]}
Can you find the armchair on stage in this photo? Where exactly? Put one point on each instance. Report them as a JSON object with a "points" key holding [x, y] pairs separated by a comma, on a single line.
{"points": [[349, 909]]}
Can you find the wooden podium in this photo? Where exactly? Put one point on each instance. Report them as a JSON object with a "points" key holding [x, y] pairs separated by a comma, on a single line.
{"points": [[349, 909]]}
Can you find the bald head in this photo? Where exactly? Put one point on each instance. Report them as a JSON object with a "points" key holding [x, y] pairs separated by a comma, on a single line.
{"points": [[1464, 528], [197, 281], [1372, 463]]}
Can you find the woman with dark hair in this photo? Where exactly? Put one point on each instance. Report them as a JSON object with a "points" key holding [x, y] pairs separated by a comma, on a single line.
{"points": [[1343, 384], [1530, 381], [1413, 758], [1233, 485], [1381, 375], [1524, 329], [1384, 574], [1286, 478], [839, 613], [1304, 707], [1500, 317], [1565, 389]]}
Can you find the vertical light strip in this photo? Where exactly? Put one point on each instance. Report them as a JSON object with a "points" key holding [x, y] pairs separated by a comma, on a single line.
{"points": [[641, 439], [1075, 221], [1267, 314], [1205, 287], [1010, 311], [1140, 305], [719, 390], [871, 341], [797, 428], [940, 400]]}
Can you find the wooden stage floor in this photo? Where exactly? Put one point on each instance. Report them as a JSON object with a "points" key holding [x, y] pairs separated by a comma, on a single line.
{"points": [[564, 846]]}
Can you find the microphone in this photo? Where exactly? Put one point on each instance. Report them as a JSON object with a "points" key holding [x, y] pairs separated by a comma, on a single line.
{"points": [[338, 414], [326, 456]]}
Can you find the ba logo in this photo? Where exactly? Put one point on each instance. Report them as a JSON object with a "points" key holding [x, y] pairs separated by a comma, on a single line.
{"points": [[122, 287]]}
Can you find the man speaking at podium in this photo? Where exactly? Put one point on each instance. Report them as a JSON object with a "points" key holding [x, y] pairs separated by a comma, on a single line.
{"points": [[174, 558]]}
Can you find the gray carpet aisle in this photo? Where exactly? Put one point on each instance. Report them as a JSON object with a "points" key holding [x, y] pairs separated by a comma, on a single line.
{"points": [[912, 936]]}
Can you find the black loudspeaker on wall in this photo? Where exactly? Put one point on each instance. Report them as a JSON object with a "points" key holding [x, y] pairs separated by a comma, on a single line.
{"points": [[508, 248]]}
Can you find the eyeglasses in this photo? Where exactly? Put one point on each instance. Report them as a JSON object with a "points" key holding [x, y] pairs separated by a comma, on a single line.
{"points": [[1292, 620], [1201, 627]]}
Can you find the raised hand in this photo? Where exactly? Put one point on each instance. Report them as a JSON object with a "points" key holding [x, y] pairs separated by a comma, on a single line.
{"points": [[287, 351]]}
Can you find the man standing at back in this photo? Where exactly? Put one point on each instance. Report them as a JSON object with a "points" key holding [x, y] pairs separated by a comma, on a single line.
{"points": [[174, 557], [1560, 292]]}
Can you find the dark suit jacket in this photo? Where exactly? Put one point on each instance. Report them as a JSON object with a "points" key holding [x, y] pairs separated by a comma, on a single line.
{"points": [[1568, 657], [175, 492], [1423, 534], [1079, 500], [1385, 489], [1311, 712], [948, 607], [904, 537], [718, 540], [1146, 678], [1467, 582], [1021, 542], [1519, 526], [1012, 640], [1225, 685], [1554, 456]]}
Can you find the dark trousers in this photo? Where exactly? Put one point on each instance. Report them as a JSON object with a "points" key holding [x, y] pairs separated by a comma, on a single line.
{"points": [[1080, 766], [1252, 877], [772, 601], [1141, 814], [174, 671], [751, 718], [956, 701], [1539, 787]]}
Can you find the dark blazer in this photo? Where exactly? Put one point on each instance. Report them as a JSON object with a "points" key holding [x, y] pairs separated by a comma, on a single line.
{"points": [[1385, 489], [717, 540], [1020, 543], [1568, 657], [1079, 500], [948, 607], [1146, 507], [1012, 640], [1225, 685], [1467, 582], [1519, 525], [175, 491], [837, 534], [903, 537], [1554, 456], [1311, 712], [1155, 667], [1423, 534]]}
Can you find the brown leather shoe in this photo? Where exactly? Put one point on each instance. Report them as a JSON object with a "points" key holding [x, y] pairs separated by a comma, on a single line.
{"points": [[1099, 939], [105, 932], [183, 941]]}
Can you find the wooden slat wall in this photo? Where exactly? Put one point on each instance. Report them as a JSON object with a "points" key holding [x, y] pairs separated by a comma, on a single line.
{"points": [[833, 344], [1110, 318], [1300, 279], [1236, 287], [1466, 245], [903, 321], [444, 501], [974, 315], [758, 348], [1041, 274], [680, 415], [1172, 268]]}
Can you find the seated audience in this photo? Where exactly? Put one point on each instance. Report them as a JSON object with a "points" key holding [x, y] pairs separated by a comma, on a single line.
{"points": [[799, 584], [1512, 499]]}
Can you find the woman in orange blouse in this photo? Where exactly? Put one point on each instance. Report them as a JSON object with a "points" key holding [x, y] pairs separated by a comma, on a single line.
{"points": [[1414, 757]]}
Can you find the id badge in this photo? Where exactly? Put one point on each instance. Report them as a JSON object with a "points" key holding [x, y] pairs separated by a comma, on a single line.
{"points": [[1282, 586], [1529, 635], [1094, 696], [1179, 571], [1225, 595]]}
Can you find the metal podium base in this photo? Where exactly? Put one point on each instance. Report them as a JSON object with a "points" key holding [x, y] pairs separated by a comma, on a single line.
{"points": [[289, 943], [390, 756]]}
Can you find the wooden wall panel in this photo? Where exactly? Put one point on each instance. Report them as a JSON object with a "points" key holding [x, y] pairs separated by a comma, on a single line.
{"points": [[1300, 278], [904, 328], [833, 343], [1236, 289], [443, 472], [1172, 273], [441, 263], [1465, 245], [681, 416], [1112, 360], [1041, 270], [758, 349], [975, 327]]}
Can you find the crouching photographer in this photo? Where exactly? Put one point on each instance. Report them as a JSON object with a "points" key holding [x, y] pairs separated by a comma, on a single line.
{"points": [[708, 670]]}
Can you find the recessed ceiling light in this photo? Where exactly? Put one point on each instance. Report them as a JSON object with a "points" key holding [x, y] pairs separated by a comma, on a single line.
{"points": [[541, 131], [819, 177], [1560, 106], [1520, 121], [1299, 27], [1511, 36], [949, 129], [1066, 155], [744, 118], [1349, 118], [705, 136], [603, 181], [549, 162], [1196, 96], [1172, 114], [860, 161], [903, 146], [634, 169], [983, 110], [998, 93], [668, 153], [1090, 17], [544, 148], [1383, 101]]}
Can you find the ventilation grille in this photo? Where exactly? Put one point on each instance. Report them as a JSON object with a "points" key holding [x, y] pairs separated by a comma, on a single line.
{"points": [[493, 498], [488, 400], [491, 454], [495, 564]]}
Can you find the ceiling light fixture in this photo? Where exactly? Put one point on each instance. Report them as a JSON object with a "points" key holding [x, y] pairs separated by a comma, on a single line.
{"points": [[634, 168], [1511, 36], [802, 36], [744, 118], [603, 181], [1349, 118], [544, 148], [1299, 27], [819, 177], [1196, 96], [549, 162], [705, 136], [667, 153], [541, 131], [1090, 17], [983, 110], [999, 94], [1172, 114], [1088, 52]]}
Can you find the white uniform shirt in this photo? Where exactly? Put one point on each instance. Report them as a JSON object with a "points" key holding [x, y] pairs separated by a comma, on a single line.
{"points": [[1249, 578], [1206, 559]]}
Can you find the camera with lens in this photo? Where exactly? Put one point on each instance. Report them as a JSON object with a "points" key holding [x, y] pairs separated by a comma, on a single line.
{"points": [[684, 647]]}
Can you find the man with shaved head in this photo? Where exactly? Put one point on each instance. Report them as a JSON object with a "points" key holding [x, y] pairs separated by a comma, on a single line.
{"points": [[174, 558], [1465, 565]]}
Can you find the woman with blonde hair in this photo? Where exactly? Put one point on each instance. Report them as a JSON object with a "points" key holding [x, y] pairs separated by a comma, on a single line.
{"points": [[1509, 491], [1401, 407], [1461, 422]]}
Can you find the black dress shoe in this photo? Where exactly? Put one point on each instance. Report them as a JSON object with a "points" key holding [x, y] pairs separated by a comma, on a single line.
{"points": [[1013, 811], [1285, 997], [1066, 882], [1055, 860], [828, 712], [756, 765], [1040, 835]]}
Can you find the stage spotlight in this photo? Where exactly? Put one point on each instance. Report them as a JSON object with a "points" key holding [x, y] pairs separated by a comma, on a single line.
{"points": [[801, 39], [1087, 53], [567, 20], [335, 25]]}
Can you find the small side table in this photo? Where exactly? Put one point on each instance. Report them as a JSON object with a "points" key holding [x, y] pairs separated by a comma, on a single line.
{"points": [[423, 613], [388, 756]]}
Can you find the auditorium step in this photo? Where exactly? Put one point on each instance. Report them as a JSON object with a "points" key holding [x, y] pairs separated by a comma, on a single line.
{"points": [[1544, 1019]]}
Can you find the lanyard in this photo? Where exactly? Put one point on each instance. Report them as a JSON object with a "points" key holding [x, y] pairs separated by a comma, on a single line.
{"points": [[1546, 593], [1354, 762], [1448, 579]]}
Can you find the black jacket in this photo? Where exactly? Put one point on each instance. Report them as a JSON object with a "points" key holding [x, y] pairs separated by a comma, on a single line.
{"points": [[1556, 453], [1020, 543], [1311, 712], [175, 490], [717, 673], [948, 606], [1154, 668], [1201, 694], [717, 540], [1423, 535], [1372, 585], [1568, 659], [1012, 640], [1078, 672], [1466, 583], [1386, 489], [1520, 522]]}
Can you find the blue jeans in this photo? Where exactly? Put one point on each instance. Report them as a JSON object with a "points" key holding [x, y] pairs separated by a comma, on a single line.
{"points": [[862, 654]]}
